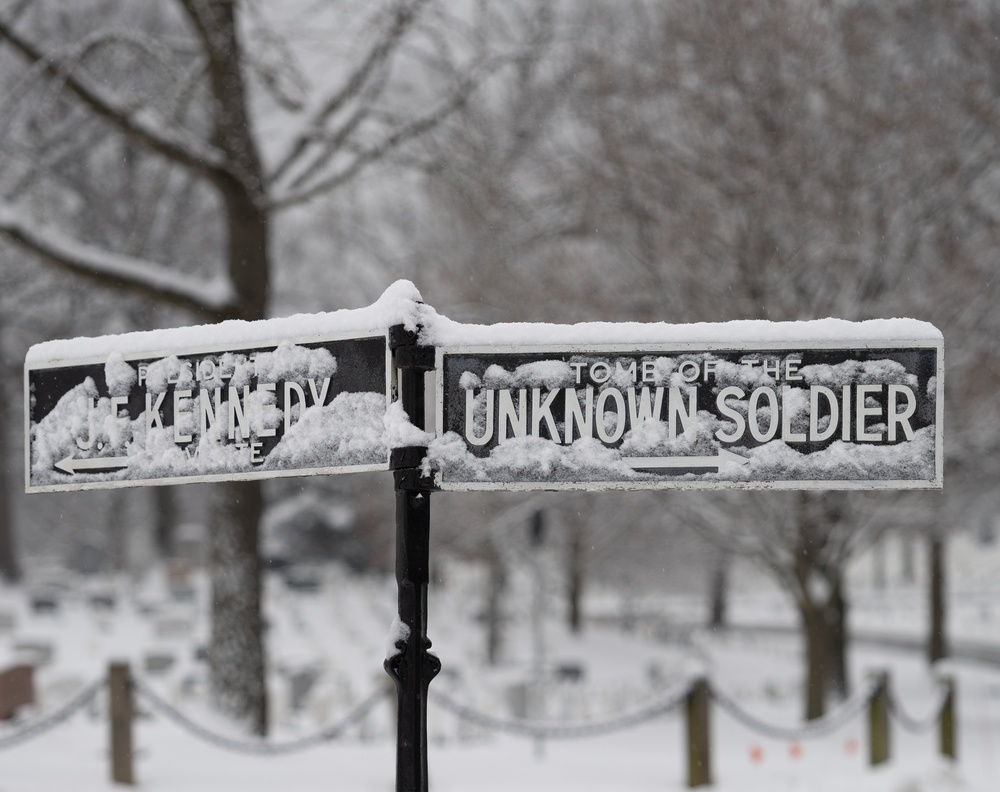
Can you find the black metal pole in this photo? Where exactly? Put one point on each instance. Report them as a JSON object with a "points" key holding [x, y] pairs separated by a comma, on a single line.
{"points": [[413, 667]]}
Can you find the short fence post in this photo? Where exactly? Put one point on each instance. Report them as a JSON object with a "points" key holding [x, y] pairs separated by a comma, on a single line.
{"points": [[946, 721], [120, 712], [17, 688], [878, 721], [699, 750]]}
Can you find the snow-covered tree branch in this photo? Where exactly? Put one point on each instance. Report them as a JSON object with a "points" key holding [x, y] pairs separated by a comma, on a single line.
{"points": [[139, 124], [201, 297]]}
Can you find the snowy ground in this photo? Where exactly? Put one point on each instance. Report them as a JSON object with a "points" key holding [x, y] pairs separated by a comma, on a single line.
{"points": [[341, 629]]}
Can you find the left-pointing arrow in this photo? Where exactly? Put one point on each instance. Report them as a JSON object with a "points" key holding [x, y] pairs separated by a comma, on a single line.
{"points": [[94, 465]]}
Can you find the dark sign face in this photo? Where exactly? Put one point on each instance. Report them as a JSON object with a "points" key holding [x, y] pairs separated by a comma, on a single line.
{"points": [[208, 414], [711, 416]]}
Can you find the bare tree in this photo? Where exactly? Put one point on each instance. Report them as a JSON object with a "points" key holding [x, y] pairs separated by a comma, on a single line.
{"points": [[179, 94], [766, 159]]}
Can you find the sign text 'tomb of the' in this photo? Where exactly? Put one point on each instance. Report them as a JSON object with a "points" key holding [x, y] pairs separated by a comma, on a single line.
{"points": [[781, 415]]}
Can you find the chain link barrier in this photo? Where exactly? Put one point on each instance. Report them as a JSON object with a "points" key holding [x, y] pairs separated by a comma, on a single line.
{"points": [[256, 747], [524, 728], [39, 727], [919, 725], [561, 731], [822, 727]]}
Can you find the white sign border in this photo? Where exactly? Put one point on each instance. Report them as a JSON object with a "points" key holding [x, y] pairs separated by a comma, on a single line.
{"points": [[316, 338], [693, 346]]}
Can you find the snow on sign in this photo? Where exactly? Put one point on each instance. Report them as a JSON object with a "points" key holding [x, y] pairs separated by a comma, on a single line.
{"points": [[818, 414], [209, 413], [296, 395]]}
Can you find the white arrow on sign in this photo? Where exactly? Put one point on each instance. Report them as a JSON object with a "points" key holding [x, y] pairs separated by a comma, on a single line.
{"points": [[71, 465], [723, 460]]}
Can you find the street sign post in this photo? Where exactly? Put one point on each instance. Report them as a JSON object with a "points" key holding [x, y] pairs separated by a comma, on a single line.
{"points": [[721, 415], [291, 407]]}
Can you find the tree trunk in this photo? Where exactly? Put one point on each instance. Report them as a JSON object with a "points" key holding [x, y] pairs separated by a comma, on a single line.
{"points": [[836, 622], [879, 572], [574, 579], [10, 569], [909, 564], [117, 531], [815, 596], [816, 633], [165, 520], [719, 590], [237, 644], [236, 652], [494, 612], [937, 645]]}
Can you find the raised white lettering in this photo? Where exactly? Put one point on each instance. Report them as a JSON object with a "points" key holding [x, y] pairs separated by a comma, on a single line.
{"points": [[901, 419], [863, 412], [181, 399], [625, 371], [580, 416], [516, 416], [649, 371], [265, 387], [754, 414], [816, 434], [787, 435], [689, 370], [117, 402], [600, 372], [153, 410], [237, 413], [300, 397], [642, 407], [728, 412], [542, 411], [845, 429], [708, 368], [207, 412], [615, 395], [319, 399], [470, 424]]}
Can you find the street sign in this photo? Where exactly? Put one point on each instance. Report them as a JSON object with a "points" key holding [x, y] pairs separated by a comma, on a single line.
{"points": [[225, 412], [808, 415]]}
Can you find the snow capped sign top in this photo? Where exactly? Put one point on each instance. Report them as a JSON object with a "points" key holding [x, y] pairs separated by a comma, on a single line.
{"points": [[825, 404], [821, 404], [399, 304], [440, 331], [237, 400]]}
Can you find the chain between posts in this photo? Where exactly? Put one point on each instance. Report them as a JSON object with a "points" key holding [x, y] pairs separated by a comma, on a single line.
{"points": [[918, 725], [49, 722], [557, 731], [261, 748], [832, 721]]}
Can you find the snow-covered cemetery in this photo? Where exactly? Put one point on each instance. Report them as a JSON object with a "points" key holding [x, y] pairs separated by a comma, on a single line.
{"points": [[483, 395]]}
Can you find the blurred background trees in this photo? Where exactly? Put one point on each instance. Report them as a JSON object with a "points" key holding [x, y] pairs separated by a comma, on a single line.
{"points": [[152, 149], [531, 160]]}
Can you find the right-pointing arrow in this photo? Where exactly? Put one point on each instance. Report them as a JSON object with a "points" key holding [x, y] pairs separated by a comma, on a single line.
{"points": [[724, 460]]}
